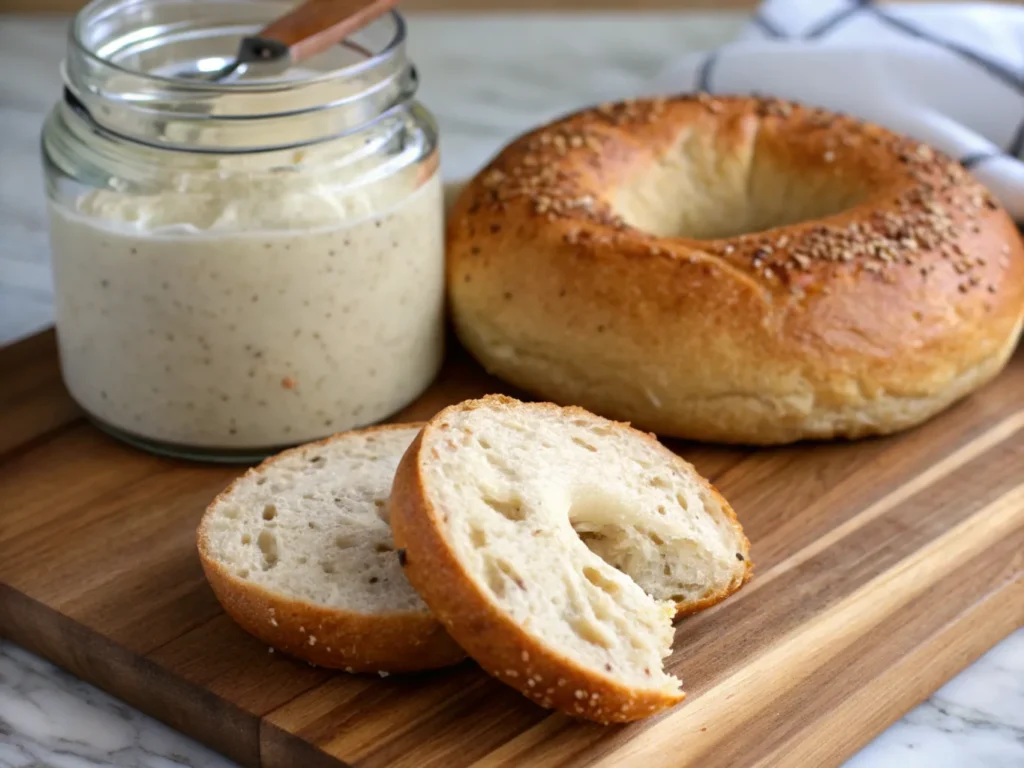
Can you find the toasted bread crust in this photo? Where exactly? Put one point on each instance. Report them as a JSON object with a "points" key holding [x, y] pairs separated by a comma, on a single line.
{"points": [[392, 642], [867, 321], [488, 635]]}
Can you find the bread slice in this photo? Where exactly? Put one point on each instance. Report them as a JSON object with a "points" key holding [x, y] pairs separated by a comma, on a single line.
{"points": [[557, 546], [299, 554]]}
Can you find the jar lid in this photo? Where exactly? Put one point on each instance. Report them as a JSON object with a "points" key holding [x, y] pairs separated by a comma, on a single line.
{"points": [[135, 66]]}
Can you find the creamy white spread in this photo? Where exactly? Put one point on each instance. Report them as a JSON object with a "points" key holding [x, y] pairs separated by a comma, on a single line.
{"points": [[244, 314]]}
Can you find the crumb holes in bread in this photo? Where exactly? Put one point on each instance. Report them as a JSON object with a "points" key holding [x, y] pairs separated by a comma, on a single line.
{"points": [[584, 444], [246, 538], [511, 509], [269, 512], [344, 542], [658, 482], [373, 580], [313, 526], [499, 574], [478, 537], [261, 481], [318, 461], [267, 543], [599, 580], [484, 443], [309, 497], [590, 631], [382, 548], [231, 512], [328, 568], [655, 539], [243, 573], [682, 501]]}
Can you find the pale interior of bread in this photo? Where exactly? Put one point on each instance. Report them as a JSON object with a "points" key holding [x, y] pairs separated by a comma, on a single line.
{"points": [[581, 531], [701, 189], [312, 527]]}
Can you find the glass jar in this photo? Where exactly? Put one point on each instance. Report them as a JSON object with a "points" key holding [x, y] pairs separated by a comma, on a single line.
{"points": [[246, 265]]}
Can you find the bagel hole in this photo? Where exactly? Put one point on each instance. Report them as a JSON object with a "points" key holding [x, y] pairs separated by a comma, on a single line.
{"points": [[697, 190], [600, 520]]}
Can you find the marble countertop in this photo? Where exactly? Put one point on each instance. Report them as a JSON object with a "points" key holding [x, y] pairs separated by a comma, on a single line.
{"points": [[486, 78]]}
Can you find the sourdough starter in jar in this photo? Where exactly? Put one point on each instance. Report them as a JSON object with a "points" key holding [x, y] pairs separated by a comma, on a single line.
{"points": [[244, 265], [308, 315]]}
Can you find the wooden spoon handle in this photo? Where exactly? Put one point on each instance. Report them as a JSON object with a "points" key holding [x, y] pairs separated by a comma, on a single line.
{"points": [[316, 25]]}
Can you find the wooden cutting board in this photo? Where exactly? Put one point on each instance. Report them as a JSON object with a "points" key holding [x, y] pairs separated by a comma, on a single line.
{"points": [[882, 568]]}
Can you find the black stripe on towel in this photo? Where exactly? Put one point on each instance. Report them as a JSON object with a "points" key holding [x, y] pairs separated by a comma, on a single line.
{"points": [[833, 21], [977, 158], [704, 72], [768, 26], [1017, 142], [994, 68]]}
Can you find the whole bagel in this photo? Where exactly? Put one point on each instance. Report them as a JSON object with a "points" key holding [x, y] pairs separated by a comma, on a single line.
{"points": [[736, 270]]}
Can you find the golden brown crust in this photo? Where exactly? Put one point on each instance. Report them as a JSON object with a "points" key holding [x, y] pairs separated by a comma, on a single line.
{"points": [[489, 636], [394, 642], [861, 322]]}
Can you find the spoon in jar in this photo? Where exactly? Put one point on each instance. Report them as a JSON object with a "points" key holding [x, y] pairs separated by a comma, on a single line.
{"points": [[309, 29]]}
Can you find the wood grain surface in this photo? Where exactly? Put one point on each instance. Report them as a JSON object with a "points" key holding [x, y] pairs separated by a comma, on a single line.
{"points": [[883, 567]]}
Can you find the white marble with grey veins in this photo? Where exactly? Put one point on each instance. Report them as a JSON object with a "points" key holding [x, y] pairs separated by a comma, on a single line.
{"points": [[486, 79]]}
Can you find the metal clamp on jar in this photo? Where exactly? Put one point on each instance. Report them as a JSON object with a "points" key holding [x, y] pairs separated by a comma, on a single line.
{"points": [[244, 264]]}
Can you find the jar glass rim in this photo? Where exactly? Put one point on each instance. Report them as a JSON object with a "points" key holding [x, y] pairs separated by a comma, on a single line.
{"points": [[88, 13]]}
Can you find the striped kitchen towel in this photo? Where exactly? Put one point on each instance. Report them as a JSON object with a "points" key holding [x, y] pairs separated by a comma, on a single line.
{"points": [[950, 74]]}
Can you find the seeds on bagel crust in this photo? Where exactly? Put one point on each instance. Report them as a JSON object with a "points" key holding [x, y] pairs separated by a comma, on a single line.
{"points": [[891, 241]]}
